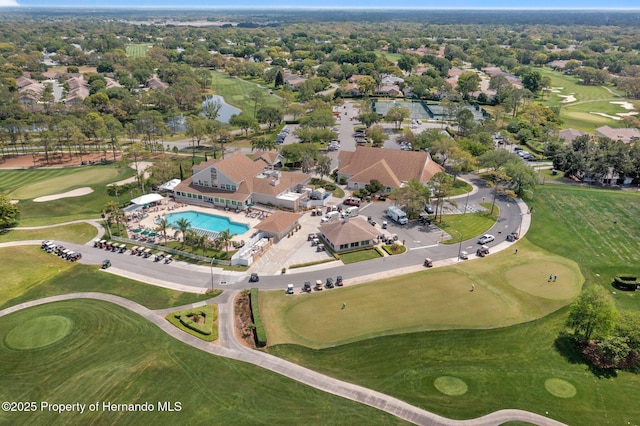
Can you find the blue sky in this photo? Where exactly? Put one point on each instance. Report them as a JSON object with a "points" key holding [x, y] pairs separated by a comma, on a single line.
{"points": [[449, 4]]}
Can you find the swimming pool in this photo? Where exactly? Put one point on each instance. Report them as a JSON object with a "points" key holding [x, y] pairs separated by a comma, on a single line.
{"points": [[207, 222]]}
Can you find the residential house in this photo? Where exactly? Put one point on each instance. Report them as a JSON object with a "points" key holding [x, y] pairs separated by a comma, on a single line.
{"points": [[294, 81], [568, 135], [78, 89], [271, 159], [237, 182], [154, 83], [389, 166], [625, 135]]}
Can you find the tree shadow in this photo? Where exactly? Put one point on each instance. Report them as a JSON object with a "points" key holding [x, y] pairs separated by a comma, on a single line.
{"points": [[570, 348]]}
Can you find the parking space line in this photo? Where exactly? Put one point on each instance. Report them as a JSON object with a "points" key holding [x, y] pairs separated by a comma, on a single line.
{"points": [[423, 247]]}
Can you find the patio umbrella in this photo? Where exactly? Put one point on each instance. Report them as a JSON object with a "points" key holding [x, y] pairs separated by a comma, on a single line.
{"points": [[145, 232], [137, 230], [152, 234]]}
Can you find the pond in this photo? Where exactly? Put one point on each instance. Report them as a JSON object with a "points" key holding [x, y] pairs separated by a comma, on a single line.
{"points": [[226, 110]]}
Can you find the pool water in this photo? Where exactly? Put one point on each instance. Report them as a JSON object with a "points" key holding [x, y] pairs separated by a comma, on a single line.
{"points": [[208, 222]]}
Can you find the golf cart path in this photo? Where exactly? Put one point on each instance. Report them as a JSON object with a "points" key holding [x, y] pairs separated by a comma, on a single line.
{"points": [[229, 348]]}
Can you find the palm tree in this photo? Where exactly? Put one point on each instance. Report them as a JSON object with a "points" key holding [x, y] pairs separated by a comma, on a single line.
{"points": [[114, 212], [182, 226], [163, 225], [202, 241], [223, 239]]}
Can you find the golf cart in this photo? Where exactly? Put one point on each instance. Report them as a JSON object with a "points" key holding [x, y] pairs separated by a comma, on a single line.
{"points": [[482, 251], [289, 288], [428, 262], [318, 286], [329, 282], [307, 287], [513, 236], [254, 278], [464, 255], [339, 281], [106, 263]]}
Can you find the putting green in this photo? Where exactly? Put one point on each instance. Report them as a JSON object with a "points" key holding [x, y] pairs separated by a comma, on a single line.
{"points": [[59, 184], [560, 388], [534, 279], [451, 386], [38, 332]]}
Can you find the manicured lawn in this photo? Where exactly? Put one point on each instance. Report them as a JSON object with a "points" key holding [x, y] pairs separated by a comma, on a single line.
{"points": [[29, 273], [578, 114], [207, 331], [522, 366], [508, 290], [105, 353], [236, 91], [468, 225], [78, 233], [28, 184], [137, 50], [359, 256], [460, 187], [594, 227], [502, 368]]}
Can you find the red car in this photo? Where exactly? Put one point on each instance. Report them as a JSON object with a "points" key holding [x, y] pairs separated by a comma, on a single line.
{"points": [[351, 201]]}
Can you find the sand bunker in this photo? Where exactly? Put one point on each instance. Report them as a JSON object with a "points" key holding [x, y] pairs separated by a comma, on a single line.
{"points": [[556, 89], [627, 114], [613, 117], [74, 193], [567, 98], [623, 104]]}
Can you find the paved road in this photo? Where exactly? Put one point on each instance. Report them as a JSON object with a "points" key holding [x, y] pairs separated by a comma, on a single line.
{"points": [[230, 348], [187, 277]]}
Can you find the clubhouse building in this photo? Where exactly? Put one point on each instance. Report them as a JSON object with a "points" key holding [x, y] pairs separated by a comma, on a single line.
{"points": [[238, 182]]}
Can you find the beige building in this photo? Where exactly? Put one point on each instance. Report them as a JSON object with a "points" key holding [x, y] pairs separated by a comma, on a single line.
{"points": [[348, 234], [279, 224], [389, 166], [237, 182]]}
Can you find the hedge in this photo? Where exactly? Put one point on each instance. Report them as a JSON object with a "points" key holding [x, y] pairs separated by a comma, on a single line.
{"points": [[260, 333], [207, 331], [625, 282]]}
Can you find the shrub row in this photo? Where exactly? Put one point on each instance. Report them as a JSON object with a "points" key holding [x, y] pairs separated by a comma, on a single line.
{"points": [[624, 282], [260, 333], [207, 331], [200, 328], [315, 262]]}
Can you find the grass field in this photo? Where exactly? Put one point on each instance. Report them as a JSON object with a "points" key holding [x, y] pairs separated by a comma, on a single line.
{"points": [[523, 366], [588, 99], [359, 256], [236, 91], [508, 290], [78, 233], [468, 225], [137, 50], [101, 352], [26, 185], [28, 273]]}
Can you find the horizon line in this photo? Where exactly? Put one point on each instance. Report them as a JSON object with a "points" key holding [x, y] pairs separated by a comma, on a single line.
{"points": [[323, 8]]}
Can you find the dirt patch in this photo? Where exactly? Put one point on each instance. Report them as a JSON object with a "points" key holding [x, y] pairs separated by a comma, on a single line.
{"points": [[29, 161], [243, 323]]}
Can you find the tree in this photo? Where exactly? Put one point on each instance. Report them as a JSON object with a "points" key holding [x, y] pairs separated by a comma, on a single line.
{"points": [[496, 159], [377, 135], [113, 210], [323, 167], [413, 196], [307, 161], [374, 186], [211, 108], [369, 118], [397, 115], [366, 85], [257, 96], [113, 129], [295, 110], [162, 227], [244, 121], [135, 152], [182, 226], [441, 183], [269, 115], [593, 314], [9, 212], [465, 121], [223, 239], [522, 177], [532, 81], [468, 82], [407, 62]]}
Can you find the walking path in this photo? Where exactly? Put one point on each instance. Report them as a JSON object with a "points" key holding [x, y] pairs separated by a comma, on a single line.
{"points": [[230, 348]]}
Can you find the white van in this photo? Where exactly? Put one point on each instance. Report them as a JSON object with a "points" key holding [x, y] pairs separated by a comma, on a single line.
{"points": [[352, 211], [333, 215]]}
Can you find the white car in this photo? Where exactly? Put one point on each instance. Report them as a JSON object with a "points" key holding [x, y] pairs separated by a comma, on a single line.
{"points": [[486, 238]]}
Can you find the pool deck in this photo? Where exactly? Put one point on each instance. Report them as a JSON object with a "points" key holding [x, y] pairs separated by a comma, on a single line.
{"points": [[169, 207]]}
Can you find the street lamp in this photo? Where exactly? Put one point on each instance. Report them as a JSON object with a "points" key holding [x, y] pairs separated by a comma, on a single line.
{"points": [[460, 244], [212, 259]]}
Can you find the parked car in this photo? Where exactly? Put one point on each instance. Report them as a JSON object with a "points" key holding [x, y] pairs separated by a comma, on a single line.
{"points": [[486, 238], [106, 263], [254, 278], [352, 201], [429, 210], [464, 255]]}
